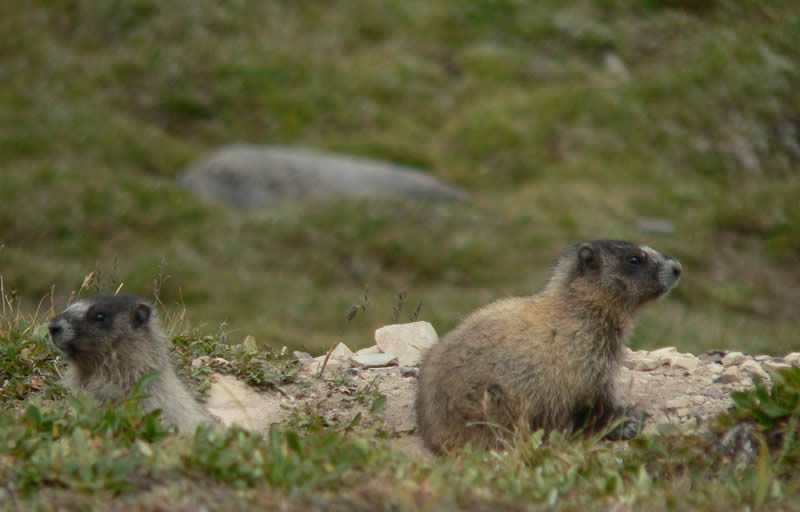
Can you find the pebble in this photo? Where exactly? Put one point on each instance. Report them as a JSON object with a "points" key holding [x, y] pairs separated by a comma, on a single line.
{"points": [[772, 366], [712, 356], [677, 403], [664, 351], [793, 359], [640, 361], [751, 368], [341, 351], [409, 371], [709, 370], [407, 341], [301, 355], [374, 360], [339, 357], [200, 361], [734, 358], [729, 376], [683, 361]]}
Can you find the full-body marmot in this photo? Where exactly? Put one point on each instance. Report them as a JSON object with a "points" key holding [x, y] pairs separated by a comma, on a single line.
{"points": [[110, 343], [545, 361]]}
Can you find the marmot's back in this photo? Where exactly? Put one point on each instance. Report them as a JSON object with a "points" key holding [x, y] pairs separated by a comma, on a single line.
{"points": [[546, 361]]}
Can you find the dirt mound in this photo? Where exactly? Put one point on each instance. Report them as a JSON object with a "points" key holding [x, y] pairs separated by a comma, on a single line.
{"points": [[675, 390]]}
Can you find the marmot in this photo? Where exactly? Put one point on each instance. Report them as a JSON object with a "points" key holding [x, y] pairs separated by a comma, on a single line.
{"points": [[110, 343], [545, 361]]}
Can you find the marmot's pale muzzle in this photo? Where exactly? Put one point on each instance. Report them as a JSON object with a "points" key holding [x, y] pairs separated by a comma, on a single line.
{"points": [[670, 273], [62, 335]]}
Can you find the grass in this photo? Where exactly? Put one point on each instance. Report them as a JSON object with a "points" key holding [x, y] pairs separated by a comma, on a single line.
{"points": [[68, 453]]}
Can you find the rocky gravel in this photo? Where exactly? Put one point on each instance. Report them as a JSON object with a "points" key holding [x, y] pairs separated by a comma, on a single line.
{"points": [[676, 390]]}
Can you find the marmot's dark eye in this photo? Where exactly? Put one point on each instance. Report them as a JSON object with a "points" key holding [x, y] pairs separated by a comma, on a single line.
{"points": [[99, 317], [635, 260]]}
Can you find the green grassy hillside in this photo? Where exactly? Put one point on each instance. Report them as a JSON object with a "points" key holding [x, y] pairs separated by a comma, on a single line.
{"points": [[563, 120]]}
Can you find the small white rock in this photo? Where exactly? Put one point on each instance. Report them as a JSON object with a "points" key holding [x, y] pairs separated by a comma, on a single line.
{"points": [[200, 361], [374, 360], [772, 366], [299, 355], [407, 341], [730, 375], [708, 370], [664, 351], [683, 361], [639, 360], [677, 403], [751, 368], [339, 358], [734, 359], [616, 66], [645, 365], [409, 371], [793, 359], [341, 351]]}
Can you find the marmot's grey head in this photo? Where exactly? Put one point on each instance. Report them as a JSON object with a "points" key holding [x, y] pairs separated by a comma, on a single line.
{"points": [[98, 324], [628, 273]]}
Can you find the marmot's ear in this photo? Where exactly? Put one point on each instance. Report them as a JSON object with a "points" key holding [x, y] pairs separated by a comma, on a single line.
{"points": [[141, 315], [587, 258]]}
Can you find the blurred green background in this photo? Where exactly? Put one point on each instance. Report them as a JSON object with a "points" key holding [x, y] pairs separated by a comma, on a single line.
{"points": [[563, 120]]}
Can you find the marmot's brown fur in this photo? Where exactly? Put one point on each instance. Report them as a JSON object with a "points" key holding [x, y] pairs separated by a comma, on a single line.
{"points": [[546, 361], [110, 343]]}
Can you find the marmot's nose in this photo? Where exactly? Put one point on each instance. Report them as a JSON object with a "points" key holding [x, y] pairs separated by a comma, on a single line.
{"points": [[54, 329], [676, 268]]}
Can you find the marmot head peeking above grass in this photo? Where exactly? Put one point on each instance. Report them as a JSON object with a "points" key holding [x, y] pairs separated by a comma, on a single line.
{"points": [[110, 343]]}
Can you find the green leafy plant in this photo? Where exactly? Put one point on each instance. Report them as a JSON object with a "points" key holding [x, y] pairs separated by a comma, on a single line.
{"points": [[83, 446], [281, 458], [770, 409], [261, 367]]}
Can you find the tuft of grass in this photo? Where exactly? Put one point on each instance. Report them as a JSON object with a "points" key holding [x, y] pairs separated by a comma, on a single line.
{"points": [[260, 367], [85, 448], [28, 365], [281, 459]]}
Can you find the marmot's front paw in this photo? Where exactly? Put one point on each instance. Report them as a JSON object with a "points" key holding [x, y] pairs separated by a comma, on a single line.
{"points": [[629, 425]]}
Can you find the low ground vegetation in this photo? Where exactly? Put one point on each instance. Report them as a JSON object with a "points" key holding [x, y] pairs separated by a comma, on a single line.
{"points": [[59, 452]]}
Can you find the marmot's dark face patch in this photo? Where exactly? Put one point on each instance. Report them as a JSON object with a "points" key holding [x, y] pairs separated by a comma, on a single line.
{"points": [[635, 272], [96, 324], [645, 273]]}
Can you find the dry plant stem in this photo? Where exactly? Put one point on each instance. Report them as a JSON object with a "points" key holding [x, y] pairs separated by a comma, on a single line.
{"points": [[325, 361]]}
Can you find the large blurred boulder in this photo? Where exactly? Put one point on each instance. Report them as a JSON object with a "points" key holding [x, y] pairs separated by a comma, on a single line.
{"points": [[249, 176]]}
